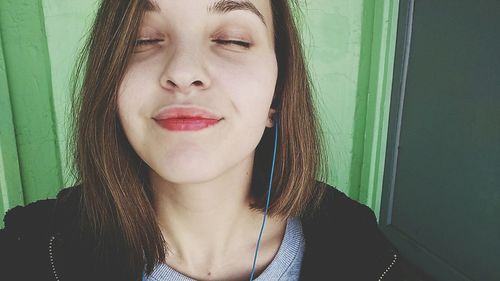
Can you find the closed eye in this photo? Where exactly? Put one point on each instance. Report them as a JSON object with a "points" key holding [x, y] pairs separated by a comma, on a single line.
{"points": [[243, 44], [144, 42]]}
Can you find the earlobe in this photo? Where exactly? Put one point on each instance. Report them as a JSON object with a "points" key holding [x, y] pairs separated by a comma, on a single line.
{"points": [[270, 118]]}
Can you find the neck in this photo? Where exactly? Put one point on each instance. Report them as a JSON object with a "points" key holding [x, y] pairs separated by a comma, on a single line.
{"points": [[204, 223], [206, 212], [210, 230]]}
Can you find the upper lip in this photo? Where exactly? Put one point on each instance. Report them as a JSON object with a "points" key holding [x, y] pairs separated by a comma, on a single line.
{"points": [[175, 112]]}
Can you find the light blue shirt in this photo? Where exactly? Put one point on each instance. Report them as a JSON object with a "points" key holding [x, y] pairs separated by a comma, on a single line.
{"points": [[285, 265]]}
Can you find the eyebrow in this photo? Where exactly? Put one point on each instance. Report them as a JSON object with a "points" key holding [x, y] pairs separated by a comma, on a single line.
{"points": [[220, 7], [226, 6], [152, 6]]}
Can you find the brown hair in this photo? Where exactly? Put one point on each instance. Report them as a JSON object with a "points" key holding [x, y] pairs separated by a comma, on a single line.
{"points": [[116, 196]]}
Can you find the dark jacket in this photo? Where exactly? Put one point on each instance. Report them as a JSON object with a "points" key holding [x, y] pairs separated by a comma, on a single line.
{"points": [[342, 242]]}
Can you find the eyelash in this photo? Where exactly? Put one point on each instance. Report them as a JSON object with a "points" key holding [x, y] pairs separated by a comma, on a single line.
{"points": [[243, 44], [246, 45], [142, 42]]}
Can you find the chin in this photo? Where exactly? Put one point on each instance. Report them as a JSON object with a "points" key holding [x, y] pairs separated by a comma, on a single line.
{"points": [[188, 172]]}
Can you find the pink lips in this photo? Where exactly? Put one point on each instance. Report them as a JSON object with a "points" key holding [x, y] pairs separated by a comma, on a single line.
{"points": [[185, 118]]}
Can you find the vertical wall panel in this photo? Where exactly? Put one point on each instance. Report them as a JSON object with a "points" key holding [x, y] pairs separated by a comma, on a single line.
{"points": [[66, 25], [28, 76], [380, 43], [350, 46], [442, 185], [332, 37], [11, 192]]}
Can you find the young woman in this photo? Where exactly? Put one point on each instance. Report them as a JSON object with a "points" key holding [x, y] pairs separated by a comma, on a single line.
{"points": [[197, 150]]}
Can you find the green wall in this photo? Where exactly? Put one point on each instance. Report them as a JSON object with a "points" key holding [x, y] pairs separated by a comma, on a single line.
{"points": [[350, 49], [350, 45]]}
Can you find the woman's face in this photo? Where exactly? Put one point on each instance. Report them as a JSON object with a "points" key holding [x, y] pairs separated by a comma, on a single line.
{"points": [[196, 96]]}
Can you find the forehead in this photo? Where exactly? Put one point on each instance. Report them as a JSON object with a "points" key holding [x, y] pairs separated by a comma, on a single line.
{"points": [[260, 8]]}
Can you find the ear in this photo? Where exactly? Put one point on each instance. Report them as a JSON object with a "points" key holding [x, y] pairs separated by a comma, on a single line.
{"points": [[270, 118]]}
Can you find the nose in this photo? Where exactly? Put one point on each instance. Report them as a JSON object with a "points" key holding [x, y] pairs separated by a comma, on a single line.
{"points": [[185, 71]]}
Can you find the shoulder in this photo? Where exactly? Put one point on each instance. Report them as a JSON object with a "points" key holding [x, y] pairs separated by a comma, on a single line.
{"points": [[339, 218], [32, 216], [26, 234], [39, 216], [25, 223], [343, 237], [34, 221]]}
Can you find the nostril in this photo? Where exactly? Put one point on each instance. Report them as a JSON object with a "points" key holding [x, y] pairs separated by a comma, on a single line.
{"points": [[171, 84]]}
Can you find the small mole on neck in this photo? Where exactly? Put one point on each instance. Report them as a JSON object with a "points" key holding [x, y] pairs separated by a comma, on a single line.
{"points": [[210, 273]]}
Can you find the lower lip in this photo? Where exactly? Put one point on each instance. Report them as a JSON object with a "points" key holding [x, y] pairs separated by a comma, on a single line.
{"points": [[187, 124]]}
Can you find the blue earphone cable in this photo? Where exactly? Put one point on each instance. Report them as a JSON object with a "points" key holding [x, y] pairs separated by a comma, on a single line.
{"points": [[268, 198]]}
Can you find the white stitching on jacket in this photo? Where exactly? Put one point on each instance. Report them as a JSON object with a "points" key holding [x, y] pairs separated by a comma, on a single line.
{"points": [[51, 255], [388, 268]]}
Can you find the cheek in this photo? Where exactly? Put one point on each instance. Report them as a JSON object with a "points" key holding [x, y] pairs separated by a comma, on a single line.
{"points": [[125, 100], [132, 100], [250, 85], [135, 89]]}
